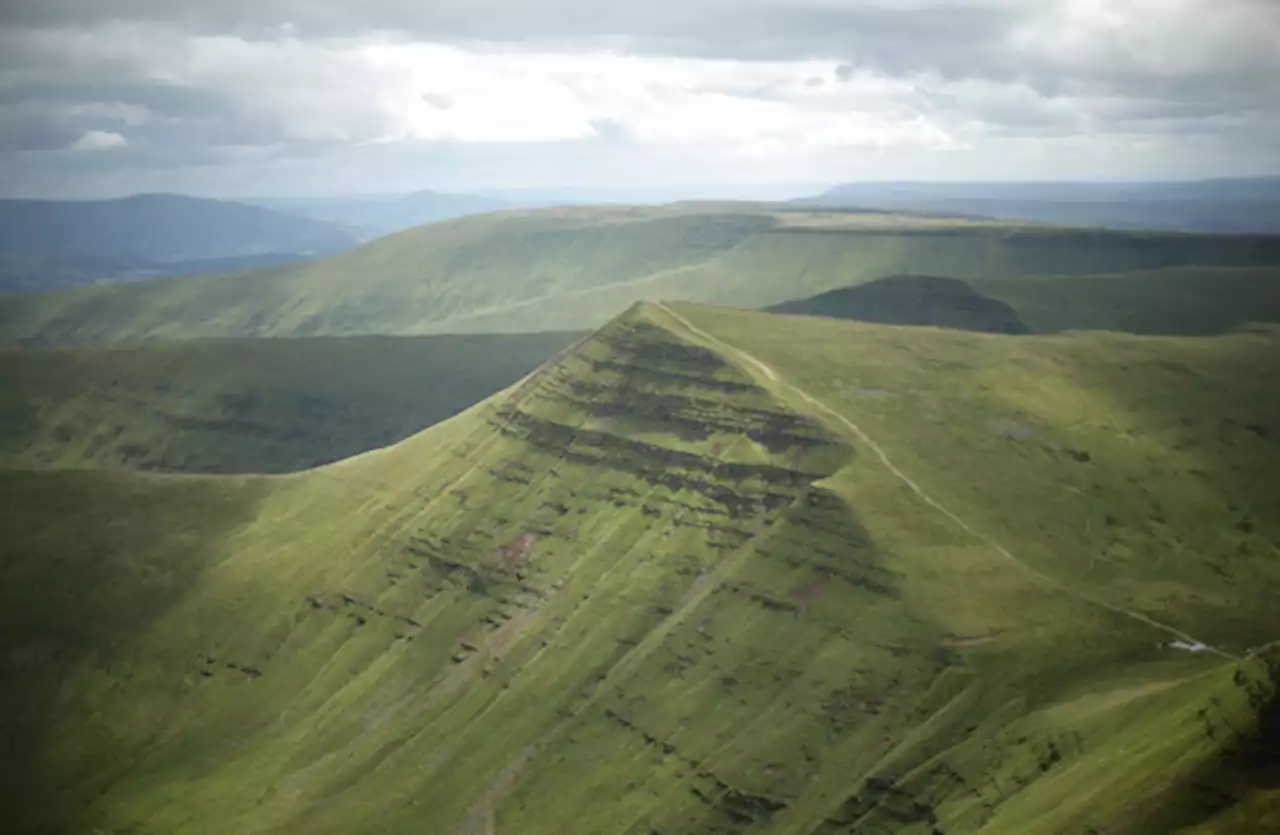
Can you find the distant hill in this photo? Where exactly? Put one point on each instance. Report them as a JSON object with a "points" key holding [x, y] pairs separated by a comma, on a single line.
{"points": [[247, 405], [709, 571], [912, 300], [1187, 301], [573, 268], [1227, 205], [375, 217], [45, 244]]}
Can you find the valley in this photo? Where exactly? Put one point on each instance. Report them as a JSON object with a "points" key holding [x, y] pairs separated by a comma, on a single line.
{"points": [[245, 405]]}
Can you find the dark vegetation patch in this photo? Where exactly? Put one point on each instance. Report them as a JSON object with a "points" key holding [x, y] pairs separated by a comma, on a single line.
{"points": [[912, 300], [733, 485], [80, 538], [250, 405], [1249, 755]]}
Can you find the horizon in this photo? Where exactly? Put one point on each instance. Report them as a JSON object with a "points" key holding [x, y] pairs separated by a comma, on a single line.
{"points": [[674, 192]]}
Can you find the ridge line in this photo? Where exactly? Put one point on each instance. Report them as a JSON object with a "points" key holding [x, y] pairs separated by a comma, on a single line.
{"points": [[773, 375]]}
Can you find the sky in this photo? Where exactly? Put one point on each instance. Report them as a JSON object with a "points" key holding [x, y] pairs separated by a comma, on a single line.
{"points": [[282, 98]]}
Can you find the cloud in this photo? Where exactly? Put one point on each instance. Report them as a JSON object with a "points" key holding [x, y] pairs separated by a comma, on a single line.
{"points": [[370, 90], [1156, 85], [442, 101], [99, 140]]}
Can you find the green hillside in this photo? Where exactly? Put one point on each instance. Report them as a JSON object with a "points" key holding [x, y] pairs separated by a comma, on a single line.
{"points": [[245, 405], [1180, 300], [575, 268], [1188, 301], [708, 572]]}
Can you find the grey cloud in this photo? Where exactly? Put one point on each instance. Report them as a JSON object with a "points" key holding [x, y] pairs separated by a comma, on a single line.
{"points": [[34, 129], [953, 39], [609, 130], [442, 101], [976, 64], [755, 28]]}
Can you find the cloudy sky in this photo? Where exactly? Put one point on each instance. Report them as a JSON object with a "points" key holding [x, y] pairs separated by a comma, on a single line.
{"points": [[293, 97]]}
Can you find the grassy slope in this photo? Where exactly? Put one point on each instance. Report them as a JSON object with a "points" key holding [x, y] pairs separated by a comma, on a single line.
{"points": [[569, 269], [266, 405], [1179, 300], [652, 589]]}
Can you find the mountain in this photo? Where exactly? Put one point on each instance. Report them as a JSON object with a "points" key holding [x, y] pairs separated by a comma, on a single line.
{"points": [[246, 405], [1226, 205], [375, 217], [912, 300], [573, 268], [46, 244], [706, 571]]}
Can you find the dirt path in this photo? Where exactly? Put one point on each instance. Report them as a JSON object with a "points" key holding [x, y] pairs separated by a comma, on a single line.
{"points": [[870, 443]]}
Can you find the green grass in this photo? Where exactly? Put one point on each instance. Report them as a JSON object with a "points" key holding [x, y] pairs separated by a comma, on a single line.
{"points": [[245, 405], [1182, 300], [663, 585], [575, 268]]}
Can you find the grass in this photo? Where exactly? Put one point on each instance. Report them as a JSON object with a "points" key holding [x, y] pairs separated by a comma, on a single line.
{"points": [[576, 268], [245, 405], [1193, 301], [662, 586]]}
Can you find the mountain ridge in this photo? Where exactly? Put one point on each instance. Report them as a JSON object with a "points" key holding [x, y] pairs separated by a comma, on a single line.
{"points": [[1245, 204], [669, 578], [574, 268]]}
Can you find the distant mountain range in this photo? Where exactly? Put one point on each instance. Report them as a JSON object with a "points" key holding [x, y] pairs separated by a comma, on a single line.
{"points": [[1223, 205], [573, 268], [374, 217], [47, 244]]}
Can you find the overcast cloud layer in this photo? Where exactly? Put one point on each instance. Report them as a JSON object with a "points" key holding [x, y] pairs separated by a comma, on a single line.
{"points": [[288, 97]]}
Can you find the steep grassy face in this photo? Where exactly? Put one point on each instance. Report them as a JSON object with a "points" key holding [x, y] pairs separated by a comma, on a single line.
{"points": [[573, 269], [89, 562], [268, 405], [709, 572], [1114, 458]]}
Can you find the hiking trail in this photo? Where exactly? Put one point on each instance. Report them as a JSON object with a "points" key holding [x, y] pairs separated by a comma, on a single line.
{"points": [[772, 375]]}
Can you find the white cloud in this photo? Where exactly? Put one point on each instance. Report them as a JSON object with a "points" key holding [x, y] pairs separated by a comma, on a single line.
{"points": [[698, 89], [99, 140], [383, 88], [721, 106], [1112, 42]]}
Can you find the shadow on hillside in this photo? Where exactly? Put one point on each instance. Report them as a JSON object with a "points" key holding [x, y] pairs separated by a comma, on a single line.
{"points": [[1184, 301], [245, 405], [88, 562], [912, 300]]}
